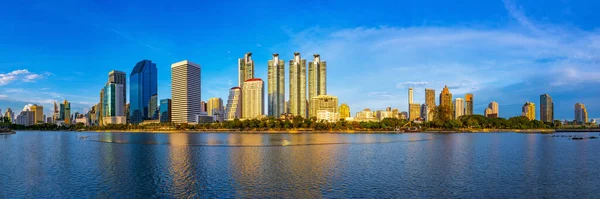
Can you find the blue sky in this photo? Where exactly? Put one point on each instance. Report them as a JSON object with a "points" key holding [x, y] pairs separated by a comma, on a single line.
{"points": [[508, 51]]}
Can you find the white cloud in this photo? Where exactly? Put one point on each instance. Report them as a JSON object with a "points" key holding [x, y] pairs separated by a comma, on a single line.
{"points": [[22, 74], [3, 96]]}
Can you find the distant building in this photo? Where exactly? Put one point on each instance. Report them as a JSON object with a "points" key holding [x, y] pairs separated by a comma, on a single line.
{"points": [[26, 118], [328, 116], [215, 109], [365, 115], [143, 91], [38, 114], [323, 103], [494, 107], [410, 96], [459, 107], [344, 111], [66, 112], [384, 114], [234, 104], [253, 102], [317, 78], [9, 114], [165, 110], [469, 104], [529, 110], [425, 112], [404, 115], [185, 91], [395, 113], [245, 69], [414, 111], [546, 108], [114, 110], [581, 115], [430, 98], [298, 101], [276, 86], [446, 104], [203, 118], [82, 119], [203, 107]]}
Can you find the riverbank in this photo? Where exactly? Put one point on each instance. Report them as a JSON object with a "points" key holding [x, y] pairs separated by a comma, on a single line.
{"points": [[8, 132]]}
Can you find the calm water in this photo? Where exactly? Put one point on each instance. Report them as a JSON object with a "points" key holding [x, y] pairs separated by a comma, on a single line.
{"points": [[120, 165]]}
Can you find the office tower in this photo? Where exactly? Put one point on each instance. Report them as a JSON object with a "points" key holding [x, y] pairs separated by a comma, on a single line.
{"points": [[101, 108], [9, 114], [414, 111], [298, 86], [38, 114], [185, 91], [153, 108], [276, 86], [469, 101], [203, 107], [234, 104], [253, 102], [215, 108], [317, 77], [459, 107], [410, 96], [425, 112], [143, 86], [66, 107], [494, 106], [324, 107], [26, 117], [119, 77], [529, 110], [114, 108], [581, 116], [446, 97], [246, 69], [344, 111], [546, 108], [430, 101], [165, 111], [56, 113]]}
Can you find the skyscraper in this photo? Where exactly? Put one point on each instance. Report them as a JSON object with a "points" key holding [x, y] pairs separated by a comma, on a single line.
{"points": [[494, 107], [581, 116], [234, 104], [203, 107], [546, 108], [185, 91], [324, 107], [253, 98], [245, 69], [66, 110], [38, 114], [9, 114], [430, 101], [100, 108], [529, 110], [414, 111], [276, 86], [215, 108], [410, 96], [119, 77], [446, 106], [114, 108], [56, 113], [459, 107], [165, 110], [344, 111], [317, 77], [469, 101], [143, 86], [425, 112], [298, 86]]}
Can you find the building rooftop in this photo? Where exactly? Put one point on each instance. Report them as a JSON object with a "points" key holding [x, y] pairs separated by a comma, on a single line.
{"points": [[185, 62], [237, 87], [254, 79]]}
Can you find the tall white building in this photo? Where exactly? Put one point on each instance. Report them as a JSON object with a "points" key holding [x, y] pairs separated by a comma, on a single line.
{"points": [[298, 99], [317, 78], [215, 109], [459, 107], [410, 96], [276, 86], [253, 98], [234, 104], [185, 92]]}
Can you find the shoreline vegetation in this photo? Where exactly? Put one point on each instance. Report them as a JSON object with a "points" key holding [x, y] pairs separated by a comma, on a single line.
{"points": [[271, 125]]}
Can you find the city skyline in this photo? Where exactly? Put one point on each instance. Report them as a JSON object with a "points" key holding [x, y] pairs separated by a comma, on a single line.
{"points": [[567, 74]]}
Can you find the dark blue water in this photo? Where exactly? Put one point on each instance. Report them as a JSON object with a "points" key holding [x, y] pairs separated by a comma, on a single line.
{"points": [[125, 165]]}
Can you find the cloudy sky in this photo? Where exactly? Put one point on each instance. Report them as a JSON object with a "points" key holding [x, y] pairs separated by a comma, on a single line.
{"points": [[506, 51]]}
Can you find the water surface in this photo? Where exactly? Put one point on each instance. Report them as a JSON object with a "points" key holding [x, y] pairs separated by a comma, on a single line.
{"points": [[470, 165]]}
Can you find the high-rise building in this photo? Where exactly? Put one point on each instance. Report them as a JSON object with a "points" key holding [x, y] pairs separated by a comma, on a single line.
{"points": [[234, 104], [66, 110], [114, 108], [414, 111], [26, 117], [410, 96], [143, 87], [165, 110], [203, 107], [38, 114], [153, 108], [430, 101], [494, 107], [581, 115], [215, 109], [119, 77], [344, 111], [298, 86], [317, 77], [529, 110], [425, 112], [245, 69], [9, 114], [459, 107], [546, 108], [326, 103], [446, 97], [469, 103], [276, 86], [253, 102], [56, 113], [185, 92]]}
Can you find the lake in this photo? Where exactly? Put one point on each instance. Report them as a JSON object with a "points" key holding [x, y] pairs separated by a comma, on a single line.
{"points": [[37, 164]]}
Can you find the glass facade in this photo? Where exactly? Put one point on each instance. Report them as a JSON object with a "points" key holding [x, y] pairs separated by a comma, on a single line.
{"points": [[165, 110], [143, 85]]}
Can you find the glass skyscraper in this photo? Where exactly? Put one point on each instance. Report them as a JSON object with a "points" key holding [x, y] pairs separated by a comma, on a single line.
{"points": [[143, 85], [165, 110]]}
